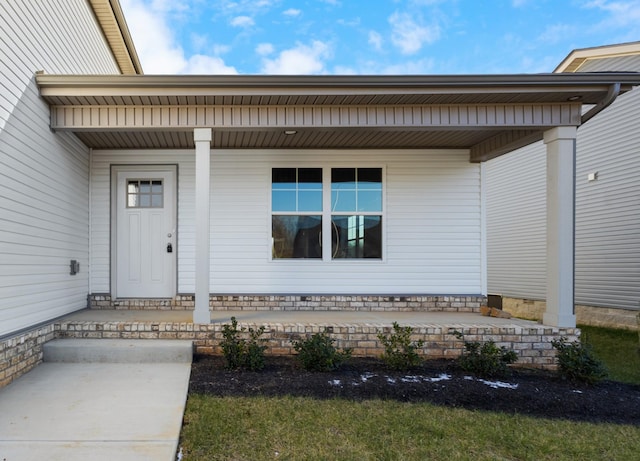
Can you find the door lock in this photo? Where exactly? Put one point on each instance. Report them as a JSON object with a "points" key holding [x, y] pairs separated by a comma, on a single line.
{"points": [[169, 248]]}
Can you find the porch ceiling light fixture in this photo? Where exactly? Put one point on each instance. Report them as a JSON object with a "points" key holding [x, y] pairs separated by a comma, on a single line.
{"points": [[290, 132], [574, 98]]}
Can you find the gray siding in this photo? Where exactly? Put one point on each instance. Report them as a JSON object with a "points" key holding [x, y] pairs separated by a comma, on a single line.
{"points": [[607, 210], [516, 223], [621, 63], [44, 177]]}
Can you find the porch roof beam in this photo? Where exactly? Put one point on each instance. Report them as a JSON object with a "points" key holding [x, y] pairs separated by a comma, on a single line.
{"points": [[188, 117]]}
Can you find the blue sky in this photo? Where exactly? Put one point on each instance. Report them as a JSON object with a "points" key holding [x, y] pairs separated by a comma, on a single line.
{"points": [[372, 36]]}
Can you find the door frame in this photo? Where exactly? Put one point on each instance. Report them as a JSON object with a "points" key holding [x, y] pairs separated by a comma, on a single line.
{"points": [[113, 224]]}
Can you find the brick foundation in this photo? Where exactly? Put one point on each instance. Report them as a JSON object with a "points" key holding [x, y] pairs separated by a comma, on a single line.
{"points": [[585, 315], [426, 303], [104, 301], [532, 344], [22, 352]]}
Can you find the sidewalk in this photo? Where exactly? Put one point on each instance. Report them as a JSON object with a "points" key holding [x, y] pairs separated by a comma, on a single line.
{"points": [[96, 410]]}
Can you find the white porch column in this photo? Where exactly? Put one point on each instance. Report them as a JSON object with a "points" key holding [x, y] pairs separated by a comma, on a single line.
{"points": [[202, 138], [561, 152]]}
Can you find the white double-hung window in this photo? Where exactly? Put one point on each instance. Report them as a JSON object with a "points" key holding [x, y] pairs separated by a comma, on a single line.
{"points": [[300, 217], [356, 213], [296, 213]]}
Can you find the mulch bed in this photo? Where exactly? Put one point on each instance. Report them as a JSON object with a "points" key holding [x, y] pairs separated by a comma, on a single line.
{"points": [[440, 382]]}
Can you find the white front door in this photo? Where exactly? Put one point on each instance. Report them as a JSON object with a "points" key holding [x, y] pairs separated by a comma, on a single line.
{"points": [[145, 232]]}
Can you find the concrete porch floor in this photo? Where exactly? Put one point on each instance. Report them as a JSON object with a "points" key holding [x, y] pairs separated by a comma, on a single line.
{"points": [[414, 318]]}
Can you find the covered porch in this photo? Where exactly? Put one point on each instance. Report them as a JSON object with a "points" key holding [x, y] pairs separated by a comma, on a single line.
{"points": [[481, 117]]}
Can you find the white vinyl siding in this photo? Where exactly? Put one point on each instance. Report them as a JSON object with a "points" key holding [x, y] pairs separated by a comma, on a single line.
{"points": [[432, 234], [56, 36], [44, 176], [607, 211]]}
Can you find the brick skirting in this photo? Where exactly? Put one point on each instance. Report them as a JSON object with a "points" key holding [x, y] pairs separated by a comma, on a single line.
{"points": [[532, 344], [426, 303], [22, 352]]}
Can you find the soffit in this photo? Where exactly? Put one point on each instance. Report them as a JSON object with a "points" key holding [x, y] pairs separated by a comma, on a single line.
{"points": [[114, 27], [579, 57], [303, 139]]}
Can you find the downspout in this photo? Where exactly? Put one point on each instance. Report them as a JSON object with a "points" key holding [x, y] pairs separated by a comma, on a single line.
{"points": [[90, 255], [612, 94]]}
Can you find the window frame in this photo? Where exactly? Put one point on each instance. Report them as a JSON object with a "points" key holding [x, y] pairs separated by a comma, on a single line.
{"points": [[139, 193], [327, 214], [296, 212]]}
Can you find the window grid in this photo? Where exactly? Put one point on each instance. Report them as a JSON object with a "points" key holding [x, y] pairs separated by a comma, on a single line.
{"points": [[353, 208], [145, 193]]}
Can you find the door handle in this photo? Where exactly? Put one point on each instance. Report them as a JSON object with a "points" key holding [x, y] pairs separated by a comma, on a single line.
{"points": [[169, 248]]}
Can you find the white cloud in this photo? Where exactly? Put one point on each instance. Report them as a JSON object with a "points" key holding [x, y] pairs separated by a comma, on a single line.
{"points": [[408, 35], [619, 13], [156, 45], [249, 6], [219, 49], [203, 65], [242, 21], [375, 40], [170, 5], [344, 70], [417, 67], [292, 12], [556, 33], [349, 22], [302, 59], [264, 49]]}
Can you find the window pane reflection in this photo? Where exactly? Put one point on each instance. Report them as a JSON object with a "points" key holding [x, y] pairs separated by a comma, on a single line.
{"points": [[296, 237], [356, 189], [144, 193], [296, 189], [356, 237]]}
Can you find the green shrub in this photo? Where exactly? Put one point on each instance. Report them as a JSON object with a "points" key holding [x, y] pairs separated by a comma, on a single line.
{"points": [[317, 353], [400, 353], [485, 360], [576, 361], [243, 348]]}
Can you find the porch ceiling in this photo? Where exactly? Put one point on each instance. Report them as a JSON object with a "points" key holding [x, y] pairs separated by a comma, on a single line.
{"points": [[488, 114], [303, 139]]}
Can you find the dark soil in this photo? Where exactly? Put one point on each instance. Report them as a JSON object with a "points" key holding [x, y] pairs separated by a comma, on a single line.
{"points": [[440, 382]]}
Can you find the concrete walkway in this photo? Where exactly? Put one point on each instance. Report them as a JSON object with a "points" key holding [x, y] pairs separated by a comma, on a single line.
{"points": [[99, 400]]}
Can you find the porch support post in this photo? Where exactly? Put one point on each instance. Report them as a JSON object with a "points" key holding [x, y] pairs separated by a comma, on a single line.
{"points": [[202, 138], [561, 155]]}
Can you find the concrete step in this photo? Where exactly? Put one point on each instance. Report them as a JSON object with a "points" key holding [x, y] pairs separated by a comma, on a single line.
{"points": [[118, 351]]}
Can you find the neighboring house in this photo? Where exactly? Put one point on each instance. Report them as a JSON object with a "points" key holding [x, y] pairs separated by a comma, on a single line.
{"points": [[607, 253], [195, 191]]}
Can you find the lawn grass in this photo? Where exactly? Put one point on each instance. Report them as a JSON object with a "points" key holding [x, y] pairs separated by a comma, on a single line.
{"points": [[256, 429], [617, 349]]}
